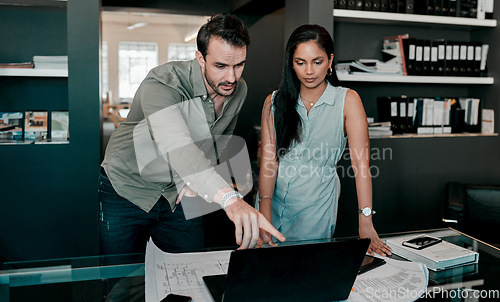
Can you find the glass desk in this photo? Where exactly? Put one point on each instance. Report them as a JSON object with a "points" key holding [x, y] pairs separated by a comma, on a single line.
{"points": [[85, 278]]}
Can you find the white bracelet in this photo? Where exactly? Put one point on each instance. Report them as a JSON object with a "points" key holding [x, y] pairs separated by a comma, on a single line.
{"points": [[228, 196]]}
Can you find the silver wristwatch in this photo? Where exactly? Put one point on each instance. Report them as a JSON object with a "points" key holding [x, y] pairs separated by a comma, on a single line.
{"points": [[228, 196], [366, 211]]}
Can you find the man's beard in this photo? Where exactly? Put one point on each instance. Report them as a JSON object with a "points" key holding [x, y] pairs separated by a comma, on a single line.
{"points": [[216, 87]]}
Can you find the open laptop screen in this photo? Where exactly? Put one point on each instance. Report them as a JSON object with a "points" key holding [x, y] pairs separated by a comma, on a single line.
{"points": [[309, 272]]}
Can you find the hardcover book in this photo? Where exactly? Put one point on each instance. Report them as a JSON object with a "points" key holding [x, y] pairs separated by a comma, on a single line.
{"points": [[437, 257]]}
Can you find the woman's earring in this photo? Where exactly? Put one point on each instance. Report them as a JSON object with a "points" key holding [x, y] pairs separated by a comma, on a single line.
{"points": [[330, 72]]}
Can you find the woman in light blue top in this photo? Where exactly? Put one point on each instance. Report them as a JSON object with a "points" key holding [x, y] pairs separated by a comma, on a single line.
{"points": [[305, 126]]}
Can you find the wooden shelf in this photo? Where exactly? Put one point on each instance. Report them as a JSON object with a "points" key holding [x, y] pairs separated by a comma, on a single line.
{"points": [[344, 15], [32, 142], [412, 135], [28, 72], [414, 79]]}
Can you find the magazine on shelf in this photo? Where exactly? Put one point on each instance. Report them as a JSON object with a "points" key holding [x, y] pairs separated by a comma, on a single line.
{"points": [[440, 256], [11, 126], [59, 125], [35, 125]]}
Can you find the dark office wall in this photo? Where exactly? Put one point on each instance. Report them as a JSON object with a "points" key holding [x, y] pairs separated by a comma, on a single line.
{"points": [[262, 71], [48, 199]]}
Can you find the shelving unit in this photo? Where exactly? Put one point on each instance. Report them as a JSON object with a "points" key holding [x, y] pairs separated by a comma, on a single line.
{"points": [[35, 73], [415, 79], [362, 82], [61, 176], [413, 135], [27, 72], [344, 15]]}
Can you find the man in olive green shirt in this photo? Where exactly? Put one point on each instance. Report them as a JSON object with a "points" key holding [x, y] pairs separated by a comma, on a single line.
{"points": [[168, 148]]}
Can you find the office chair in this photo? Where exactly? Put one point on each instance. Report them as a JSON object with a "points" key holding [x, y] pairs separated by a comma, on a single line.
{"points": [[474, 210]]}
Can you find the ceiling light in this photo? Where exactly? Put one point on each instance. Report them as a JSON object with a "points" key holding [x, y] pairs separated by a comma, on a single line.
{"points": [[190, 37], [137, 25]]}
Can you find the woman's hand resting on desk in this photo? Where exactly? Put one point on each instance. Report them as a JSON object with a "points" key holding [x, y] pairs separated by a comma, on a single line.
{"points": [[376, 245]]}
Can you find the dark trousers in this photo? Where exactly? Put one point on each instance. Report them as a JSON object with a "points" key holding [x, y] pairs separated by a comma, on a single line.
{"points": [[125, 228]]}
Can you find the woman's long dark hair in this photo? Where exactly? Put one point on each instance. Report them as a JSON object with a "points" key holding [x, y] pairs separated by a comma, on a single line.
{"points": [[286, 119]]}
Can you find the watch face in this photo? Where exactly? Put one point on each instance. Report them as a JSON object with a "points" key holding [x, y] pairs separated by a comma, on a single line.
{"points": [[367, 211]]}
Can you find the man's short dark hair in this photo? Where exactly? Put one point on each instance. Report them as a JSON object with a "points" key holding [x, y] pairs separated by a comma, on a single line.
{"points": [[225, 26]]}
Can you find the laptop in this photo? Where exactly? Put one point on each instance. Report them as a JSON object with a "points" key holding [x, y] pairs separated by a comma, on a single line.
{"points": [[308, 272]]}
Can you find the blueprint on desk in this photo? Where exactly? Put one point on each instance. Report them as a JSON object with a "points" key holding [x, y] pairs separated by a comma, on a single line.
{"points": [[181, 273]]}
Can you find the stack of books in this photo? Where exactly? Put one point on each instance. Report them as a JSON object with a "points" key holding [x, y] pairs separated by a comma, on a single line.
{"points": [[379, 129], [51, 62], [438, 115], [368, 66], [440, 256], [28, 65]]}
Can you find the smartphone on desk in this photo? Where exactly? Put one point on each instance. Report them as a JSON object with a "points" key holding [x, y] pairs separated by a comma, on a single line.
{"points": [[176, 298], [421, 242], [370, 263]]}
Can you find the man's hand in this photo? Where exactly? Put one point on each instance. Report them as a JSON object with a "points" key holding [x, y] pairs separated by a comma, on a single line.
{"points": [[249, 224], [265, 237], [185, 191]]}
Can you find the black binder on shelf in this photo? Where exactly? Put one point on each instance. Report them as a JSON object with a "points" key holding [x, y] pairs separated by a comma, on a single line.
{"points": [[426, 61], [452, 8], [359, 5], [431, 7], [462, 63], [445, 6], [388, 110], [401, 6], [404, 123], [335, 4], [409, 52], [410, 6], [418, 115], [441, 45], [342, 4], [410, 115], [419, 51], [471, 113], [438, 7], [367, 5], [477, 59], [393, 6], [420, 7], [384, 5], [448, 59], [376, 5], [434, 65], [351, 4], [470, 59], [455, 60]]}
